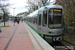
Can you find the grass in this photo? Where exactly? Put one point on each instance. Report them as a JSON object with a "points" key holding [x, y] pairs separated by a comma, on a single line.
{"points": [[69, 40], [0, 30], [5, 26]]}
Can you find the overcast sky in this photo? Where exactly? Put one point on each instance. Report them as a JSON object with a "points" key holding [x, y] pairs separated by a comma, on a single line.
{"points": [[19, 6]]}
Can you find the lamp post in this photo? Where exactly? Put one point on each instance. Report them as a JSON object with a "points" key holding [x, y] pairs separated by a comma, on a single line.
{"points": [[13, 11]]}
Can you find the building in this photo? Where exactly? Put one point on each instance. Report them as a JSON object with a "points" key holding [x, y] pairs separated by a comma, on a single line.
{"points": [[22, 15]]}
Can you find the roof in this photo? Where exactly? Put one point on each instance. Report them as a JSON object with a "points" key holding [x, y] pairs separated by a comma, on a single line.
{"points": [[13, 16], [22, 13]]}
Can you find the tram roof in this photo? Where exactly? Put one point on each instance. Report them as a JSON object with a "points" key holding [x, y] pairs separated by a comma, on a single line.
{"points": [[54, 6], [33, 14]]}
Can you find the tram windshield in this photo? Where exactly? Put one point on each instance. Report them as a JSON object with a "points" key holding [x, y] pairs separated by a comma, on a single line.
{"points": [[55, 19]]}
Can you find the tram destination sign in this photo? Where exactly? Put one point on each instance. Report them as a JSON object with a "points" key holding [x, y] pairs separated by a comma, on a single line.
{"points": [[59, 10]]}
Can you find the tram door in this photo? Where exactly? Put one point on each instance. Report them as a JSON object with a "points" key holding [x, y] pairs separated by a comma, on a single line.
{"points": [[44, 22], [39, 23]]}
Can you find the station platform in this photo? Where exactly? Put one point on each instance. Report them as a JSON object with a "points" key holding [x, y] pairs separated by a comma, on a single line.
{"points": [[21, 37]]}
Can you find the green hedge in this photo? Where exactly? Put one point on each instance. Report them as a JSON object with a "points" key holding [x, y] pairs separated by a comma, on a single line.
{"points": [[69, 29], [0, 30]]}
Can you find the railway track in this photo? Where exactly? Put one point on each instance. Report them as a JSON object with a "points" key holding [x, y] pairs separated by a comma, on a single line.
{"points": [[64, 45], [68, 45]]}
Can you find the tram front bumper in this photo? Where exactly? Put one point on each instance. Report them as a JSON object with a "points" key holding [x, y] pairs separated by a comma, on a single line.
{"points": [[57, 38]]}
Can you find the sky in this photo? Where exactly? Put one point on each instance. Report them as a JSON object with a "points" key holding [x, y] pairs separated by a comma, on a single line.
{"points": [[19, 6]]}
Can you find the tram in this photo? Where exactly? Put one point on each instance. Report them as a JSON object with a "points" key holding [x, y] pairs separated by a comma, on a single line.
{"points": [[48, 21]]}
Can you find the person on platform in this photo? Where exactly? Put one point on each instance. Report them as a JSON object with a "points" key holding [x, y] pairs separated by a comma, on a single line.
{"points": [[18, 20], [15, 20]]}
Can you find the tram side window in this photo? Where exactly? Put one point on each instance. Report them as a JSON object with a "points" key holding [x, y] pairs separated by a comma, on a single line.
{"points": [[39, 19], [36, 20], [50, 19], [44, 18], [30, 19], [33, 20]]}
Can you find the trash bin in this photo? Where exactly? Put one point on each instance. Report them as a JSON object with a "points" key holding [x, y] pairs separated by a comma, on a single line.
{"points": [[0, 28]]}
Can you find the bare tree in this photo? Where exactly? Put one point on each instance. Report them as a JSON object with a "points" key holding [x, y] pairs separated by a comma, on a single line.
{"points": [[32, 4], [5, 11], [35, 4], [69, 10]]}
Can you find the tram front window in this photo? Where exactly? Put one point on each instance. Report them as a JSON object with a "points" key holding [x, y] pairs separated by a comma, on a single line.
{"points": [[55, 20]]}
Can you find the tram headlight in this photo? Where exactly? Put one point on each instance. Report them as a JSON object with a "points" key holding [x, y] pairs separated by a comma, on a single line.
{"points": [[53, 32]]}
